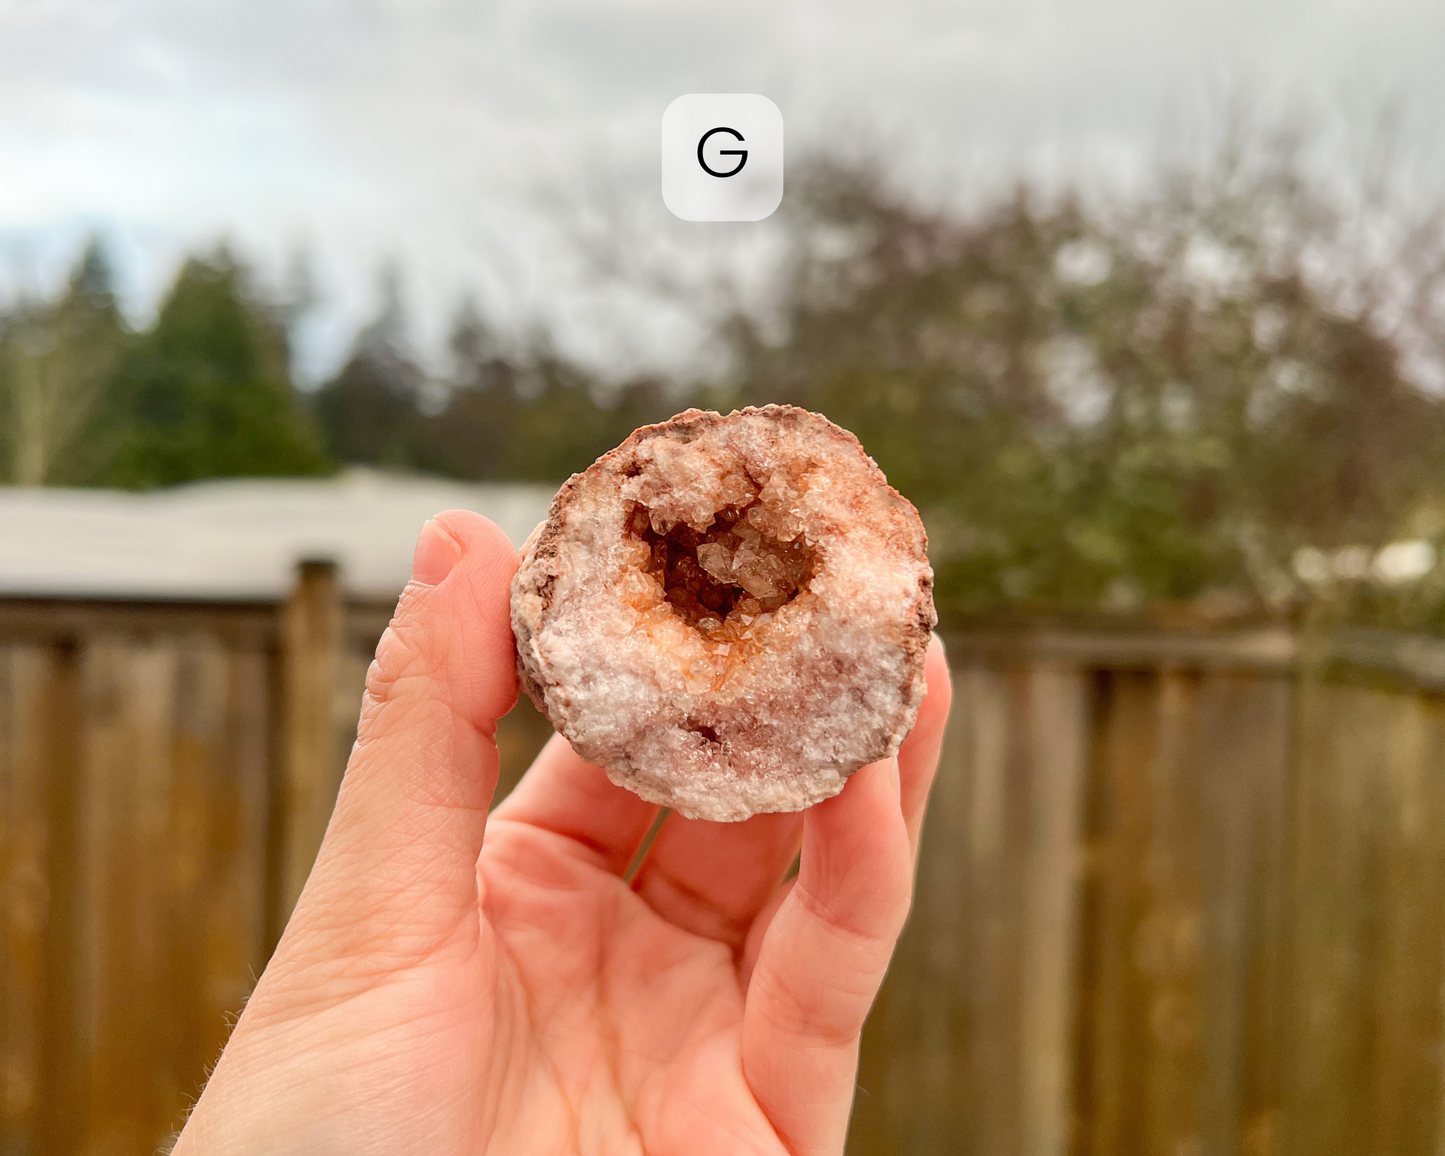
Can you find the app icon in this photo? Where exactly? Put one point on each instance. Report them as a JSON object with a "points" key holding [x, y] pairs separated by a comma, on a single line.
{"points": [[722, 157]]}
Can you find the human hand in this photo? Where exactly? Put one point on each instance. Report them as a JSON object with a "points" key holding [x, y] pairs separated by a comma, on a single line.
{"points": [[453, 982]]}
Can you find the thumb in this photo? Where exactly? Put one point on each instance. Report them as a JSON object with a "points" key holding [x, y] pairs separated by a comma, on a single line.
{"points": [[398, 865]]}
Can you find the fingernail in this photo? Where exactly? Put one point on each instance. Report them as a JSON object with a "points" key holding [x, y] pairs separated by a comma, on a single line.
{"points": [[436, 553]]}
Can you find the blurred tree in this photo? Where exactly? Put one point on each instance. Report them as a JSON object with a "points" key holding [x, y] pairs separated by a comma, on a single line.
{"points": [[566, 417], [1098, 411], [475, 434], [371, 411], [206, 392], [56, 360], [523, 413]]}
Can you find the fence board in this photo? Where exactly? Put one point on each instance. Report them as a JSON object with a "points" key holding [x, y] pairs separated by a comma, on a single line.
{"points": [[1406, 1048], [217, 826], [997, 839], [237, 914], [1113, 1048], [62, 1119], [1167, 947], [1244, 781], [310, 772], [1337, 871], [1058, 739], [120, 931], [27, 686]]}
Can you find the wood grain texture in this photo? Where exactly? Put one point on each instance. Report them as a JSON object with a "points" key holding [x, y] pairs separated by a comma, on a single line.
{"points": [[1337, 919], [1117, 987], [1244, 744], [28, 684], [121, 933], [312, 667], [1058, 735], [134, 766], [1407, 1031]]}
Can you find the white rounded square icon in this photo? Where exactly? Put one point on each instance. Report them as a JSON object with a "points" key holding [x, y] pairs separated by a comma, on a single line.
{"points": [[722, 157]]}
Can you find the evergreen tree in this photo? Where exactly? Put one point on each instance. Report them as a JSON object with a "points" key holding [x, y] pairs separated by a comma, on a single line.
{"points": [[527, 413], [533, 414], [475, 434], [371, 411], [206, 392]]}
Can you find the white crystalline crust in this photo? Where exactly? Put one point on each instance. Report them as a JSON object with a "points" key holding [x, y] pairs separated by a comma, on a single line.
{"points": [[778, 717]]}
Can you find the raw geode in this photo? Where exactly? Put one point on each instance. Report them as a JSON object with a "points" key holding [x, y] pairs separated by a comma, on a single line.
{"points": [[728, 614]]}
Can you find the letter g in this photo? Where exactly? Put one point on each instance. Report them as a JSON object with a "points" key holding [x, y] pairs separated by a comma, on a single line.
{"points": [[742, 154]]}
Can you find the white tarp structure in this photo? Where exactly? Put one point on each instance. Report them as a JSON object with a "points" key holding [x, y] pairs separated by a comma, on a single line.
{"points": [[236, 539]]}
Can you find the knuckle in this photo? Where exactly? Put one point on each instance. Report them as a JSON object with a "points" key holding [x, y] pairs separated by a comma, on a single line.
{"points": [[401, 655]]}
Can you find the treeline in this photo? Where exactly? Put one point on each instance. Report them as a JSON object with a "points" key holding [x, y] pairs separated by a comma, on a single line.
{"points": [[206, 391], [1207, 398], [504, 411], [1202, 398]]}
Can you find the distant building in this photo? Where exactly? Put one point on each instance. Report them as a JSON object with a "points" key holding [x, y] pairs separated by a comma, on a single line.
{"points": [[236, 539]]}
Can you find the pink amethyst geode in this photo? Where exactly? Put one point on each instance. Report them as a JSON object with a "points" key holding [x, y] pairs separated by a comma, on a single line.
{"points": [[728, 614]]}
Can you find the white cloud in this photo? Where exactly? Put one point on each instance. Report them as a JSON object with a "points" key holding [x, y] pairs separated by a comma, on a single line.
{"points": [[425, 128]]}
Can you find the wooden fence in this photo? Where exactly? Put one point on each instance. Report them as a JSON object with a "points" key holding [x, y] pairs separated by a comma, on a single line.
{"points": [[1179, 895]]}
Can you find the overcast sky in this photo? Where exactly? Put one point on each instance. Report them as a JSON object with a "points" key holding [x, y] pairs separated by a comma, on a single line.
{"points": [[438, 132]]}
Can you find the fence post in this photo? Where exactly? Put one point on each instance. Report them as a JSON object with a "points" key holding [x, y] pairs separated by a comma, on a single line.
{"points": [[311, 651]]}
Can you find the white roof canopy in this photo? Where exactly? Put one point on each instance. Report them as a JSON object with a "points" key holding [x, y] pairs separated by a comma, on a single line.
{"points": [[236, 539]]}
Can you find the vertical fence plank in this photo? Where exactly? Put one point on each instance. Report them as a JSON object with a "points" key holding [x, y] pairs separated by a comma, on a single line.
{"points": [[938, 948], [1112, 1055], [1342, 754], [997, 829], [1411, 945], [63, 1109], [27, 687], [1166, 948], [311, 659], [1244, 737], [193, 846], [217, 845], [1057, 734], [1141, 1034], [122, 992], [235, 905]]}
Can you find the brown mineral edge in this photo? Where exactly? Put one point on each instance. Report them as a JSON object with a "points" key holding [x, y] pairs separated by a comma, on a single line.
{"points": [[728, 614]]}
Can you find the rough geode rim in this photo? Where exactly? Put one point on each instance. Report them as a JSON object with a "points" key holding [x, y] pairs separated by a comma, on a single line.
{"points": [[710, 786]]}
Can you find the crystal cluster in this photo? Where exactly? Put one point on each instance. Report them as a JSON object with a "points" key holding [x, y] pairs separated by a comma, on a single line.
{"points": [[728, 581]]}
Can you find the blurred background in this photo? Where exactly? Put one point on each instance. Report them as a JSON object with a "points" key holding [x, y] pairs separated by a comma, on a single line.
{"points": [[1142, 305]]}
